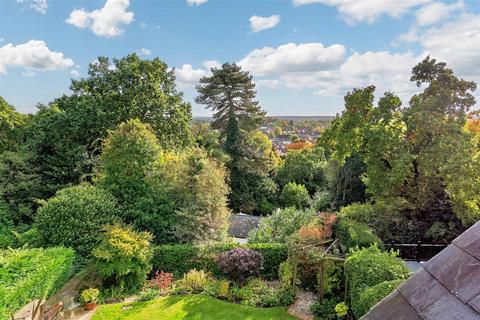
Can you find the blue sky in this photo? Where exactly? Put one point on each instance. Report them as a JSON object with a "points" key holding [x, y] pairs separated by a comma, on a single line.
{"points": [[304, 54]]}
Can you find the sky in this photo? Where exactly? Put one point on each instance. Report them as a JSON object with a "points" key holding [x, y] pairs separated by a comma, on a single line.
{"points": [[304, 55]]}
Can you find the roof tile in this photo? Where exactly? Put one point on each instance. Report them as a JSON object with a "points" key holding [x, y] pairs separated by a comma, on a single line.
{"points": [[422, 290], [449, 308], [456, 270], [470, 240], [394, 306]]}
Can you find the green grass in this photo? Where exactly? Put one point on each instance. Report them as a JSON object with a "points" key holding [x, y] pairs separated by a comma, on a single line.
{"points": [[192, 307]]}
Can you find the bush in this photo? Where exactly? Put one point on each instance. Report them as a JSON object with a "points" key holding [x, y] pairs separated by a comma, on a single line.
{"points": [[368, 267], [353, 234], [325, 309], [258, 294], [280, 225], [180, 258], [123, 257], [7, 238], [194, 281], [372, 295], [74, 217], [161, 281], [294, 195], [89, 295], [240, 263], [321, 201], [31, 274]]}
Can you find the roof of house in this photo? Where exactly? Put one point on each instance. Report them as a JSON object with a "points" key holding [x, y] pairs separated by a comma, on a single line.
{"points": [[447, 287], [241, 224]]}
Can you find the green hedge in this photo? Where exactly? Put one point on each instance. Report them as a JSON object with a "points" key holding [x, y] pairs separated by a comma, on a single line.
{"points": [[180, 258], [31, 274], [372, 295], [353, 234], [366, 268]]}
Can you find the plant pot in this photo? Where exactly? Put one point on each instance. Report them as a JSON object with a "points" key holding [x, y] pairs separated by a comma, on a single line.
{"points": [[90, 305]]}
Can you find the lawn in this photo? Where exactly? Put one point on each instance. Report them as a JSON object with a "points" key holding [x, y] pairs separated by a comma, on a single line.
{"points": [[194, 307]]}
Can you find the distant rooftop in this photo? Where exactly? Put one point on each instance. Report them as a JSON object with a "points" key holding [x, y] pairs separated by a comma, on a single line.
{"points": [[447, 287]]}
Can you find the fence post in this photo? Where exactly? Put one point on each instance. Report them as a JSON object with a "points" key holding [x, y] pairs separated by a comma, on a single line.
{"points": [[418, 251]]}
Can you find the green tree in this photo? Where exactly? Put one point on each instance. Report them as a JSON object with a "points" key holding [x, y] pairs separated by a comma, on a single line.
{"points": [[229, 92], [305, 167], [11, 123], [123, 257], [200, 194], [294, 195], [66, 135], [130, 170], [74, 217]]}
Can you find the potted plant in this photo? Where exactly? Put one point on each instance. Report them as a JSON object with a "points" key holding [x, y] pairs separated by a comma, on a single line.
{"points": [[89, 298]]}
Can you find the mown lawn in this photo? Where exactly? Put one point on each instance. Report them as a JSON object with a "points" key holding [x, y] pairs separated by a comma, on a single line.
{"points": [[193, 307]]}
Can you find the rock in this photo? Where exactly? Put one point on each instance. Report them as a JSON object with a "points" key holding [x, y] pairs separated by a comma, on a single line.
{"points": [[301, 307]]}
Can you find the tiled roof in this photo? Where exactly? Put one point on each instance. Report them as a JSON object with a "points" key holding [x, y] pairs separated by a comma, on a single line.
{"points": [[447, 287]]}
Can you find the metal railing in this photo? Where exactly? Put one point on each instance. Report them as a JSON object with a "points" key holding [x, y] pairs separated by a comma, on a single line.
{"points": [[416, 251]]}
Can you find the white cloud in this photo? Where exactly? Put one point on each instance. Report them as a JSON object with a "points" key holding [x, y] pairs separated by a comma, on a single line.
{"points": [[354, 11], [258, 23], [29, 74], [187, 76], [145, 52], [33, 55], [209, 64], [196, 2], [37, 5], [109, 21], [457, 43], [437, 11], [293, 57], [75, 73]]}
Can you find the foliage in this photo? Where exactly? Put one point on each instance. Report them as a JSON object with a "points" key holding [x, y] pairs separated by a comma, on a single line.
{"points": [[75, 216], [230, 81], [325, 309], [180, 258], [321, 201], [89, 295], [344, 181], [294, 195], [190, 306], [257, 293], [7, 238], [372, 295], [194, 281], [286, 275], [122, 259], [303, 167], [341, 309], [241, 263], [199, 193], [368, 267], [148, 294], [280, 225], [161, 281], [130, 170], [353, 234], [11, 123], [19, 185], [31, 274]]}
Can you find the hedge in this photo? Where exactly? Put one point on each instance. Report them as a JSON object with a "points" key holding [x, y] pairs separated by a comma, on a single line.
{"points": [[31, 274], [180, 258], [366, 268], [372, 295], [351, 234]]}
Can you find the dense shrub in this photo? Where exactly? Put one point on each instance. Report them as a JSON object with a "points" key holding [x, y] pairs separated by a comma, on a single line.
{"points": [[372, 295], [161, 281], [353, 234], [180, 258], [280, 225], [123, 257], [325, 309], [256, 293], [294, 195], [240, 263], [368, 267], [6, 227], [75, 216], [194, 281], [31, 274], [321, 201]]}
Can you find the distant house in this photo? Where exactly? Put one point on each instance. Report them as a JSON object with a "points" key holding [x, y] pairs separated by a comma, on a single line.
{"points": [[447, 287], [299, 145], [241, 224]]}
